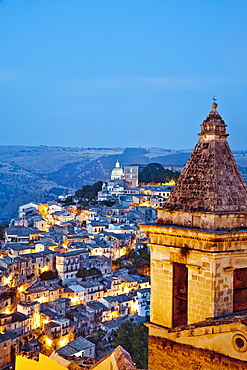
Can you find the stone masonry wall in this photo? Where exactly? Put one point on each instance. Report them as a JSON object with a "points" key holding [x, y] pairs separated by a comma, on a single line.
{"points": [[203, 220], [210, 282], [167, 355], [200, 295], [161, 297]]}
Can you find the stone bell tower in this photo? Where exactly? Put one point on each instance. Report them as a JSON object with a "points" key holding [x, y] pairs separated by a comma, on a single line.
{"points": [[198, 317]]}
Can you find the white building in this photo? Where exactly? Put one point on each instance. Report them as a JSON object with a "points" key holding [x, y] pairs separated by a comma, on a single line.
{"points": [[68, 264], [79, 347], [117, 172]]}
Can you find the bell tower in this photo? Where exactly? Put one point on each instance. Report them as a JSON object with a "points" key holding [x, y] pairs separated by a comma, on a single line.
{"points": [[199, 262]]}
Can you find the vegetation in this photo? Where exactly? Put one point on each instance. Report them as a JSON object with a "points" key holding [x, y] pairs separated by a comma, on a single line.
{"points": [[152, 173], [87, 195], [49, 275], [89, 191], [140, 261], [8, 294], [156, 173], [84, 273], [1, 231], [97, 337], [108, 203], [69, 200], [134, 339]]}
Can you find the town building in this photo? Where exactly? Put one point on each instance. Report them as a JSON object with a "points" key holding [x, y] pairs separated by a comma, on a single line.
{"points": [[75, 293], [20, 234], [111, 190], [6, 352], [56, 266], [58, 333], [42, 291], [79, 347], [131, 175], [69, 263], [93, 290], [117, 172], [61, 305]]}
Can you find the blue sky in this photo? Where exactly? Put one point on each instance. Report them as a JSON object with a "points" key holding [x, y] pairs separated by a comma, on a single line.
{"points": [[104, 73]]}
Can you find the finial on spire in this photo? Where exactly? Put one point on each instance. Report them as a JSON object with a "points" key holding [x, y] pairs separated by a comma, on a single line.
{"points": [[214, 105]]}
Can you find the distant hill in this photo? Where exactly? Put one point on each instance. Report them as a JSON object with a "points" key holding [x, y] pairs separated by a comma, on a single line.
{"points": [[174, 159], [42, 173]]}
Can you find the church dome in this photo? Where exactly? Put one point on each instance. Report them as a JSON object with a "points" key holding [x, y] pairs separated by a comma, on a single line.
{"points": [[117, 172]]}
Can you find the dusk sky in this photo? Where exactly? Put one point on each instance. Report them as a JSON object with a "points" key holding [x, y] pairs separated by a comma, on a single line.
{"points": [[128, 73]]}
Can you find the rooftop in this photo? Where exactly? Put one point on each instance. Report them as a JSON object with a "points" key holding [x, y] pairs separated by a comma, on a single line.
{"points": [[22, 230], [211, 180], [75, 346], [119, 298], [96, 305], [73, 253]]}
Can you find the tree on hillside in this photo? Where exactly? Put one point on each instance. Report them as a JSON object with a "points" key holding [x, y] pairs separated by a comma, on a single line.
{"points": [[83, 272], [2, 231], [124, 334], [140, 346], [89, 191], [156, 173], [69, 200], [134, 339], [49, 275]]}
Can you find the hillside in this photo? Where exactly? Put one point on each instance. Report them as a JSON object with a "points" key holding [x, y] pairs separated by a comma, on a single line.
{"points": [[42, 173]]}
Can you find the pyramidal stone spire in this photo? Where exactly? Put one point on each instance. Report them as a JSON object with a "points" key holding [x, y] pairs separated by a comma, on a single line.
{"points": [[211, 180]]}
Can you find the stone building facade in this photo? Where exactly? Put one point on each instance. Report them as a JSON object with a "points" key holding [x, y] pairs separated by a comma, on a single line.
{"points": [[198, 247]]}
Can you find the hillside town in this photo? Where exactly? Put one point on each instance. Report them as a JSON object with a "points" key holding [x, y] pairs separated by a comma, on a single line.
{"points": [[69, 273], [75, 273]]}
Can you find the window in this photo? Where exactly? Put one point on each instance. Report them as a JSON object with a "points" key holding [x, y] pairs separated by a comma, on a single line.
{"points": [[240, 290], [180, 294]]}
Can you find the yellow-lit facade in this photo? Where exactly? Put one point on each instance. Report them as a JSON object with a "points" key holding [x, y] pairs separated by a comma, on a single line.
{"points": [[44, 362]]}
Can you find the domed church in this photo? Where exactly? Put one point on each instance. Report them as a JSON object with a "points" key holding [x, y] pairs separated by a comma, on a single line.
{"points": [[117, 172]]}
